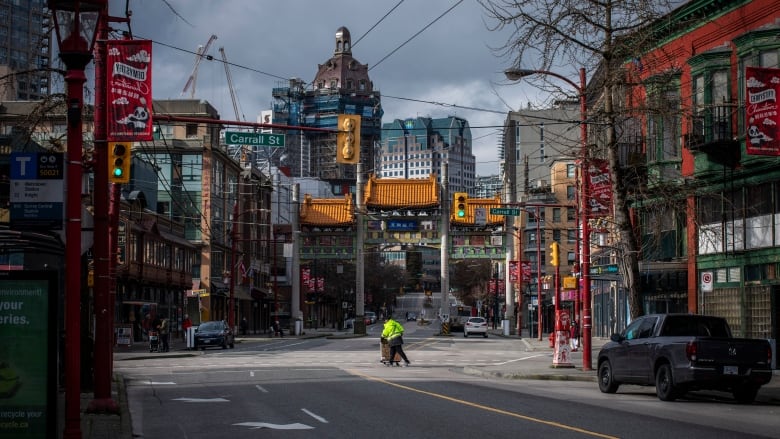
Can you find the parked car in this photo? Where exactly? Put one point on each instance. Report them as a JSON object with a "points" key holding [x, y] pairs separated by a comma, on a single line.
{"points": [[678, 353], [475, 325], [214, 333], [411, 317], [370, 317]]}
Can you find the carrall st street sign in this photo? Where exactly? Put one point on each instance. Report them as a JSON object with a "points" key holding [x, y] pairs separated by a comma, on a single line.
{"points": [[507, 211], [259, 139]]}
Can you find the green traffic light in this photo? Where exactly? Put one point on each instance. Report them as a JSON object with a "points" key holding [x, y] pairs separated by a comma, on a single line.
{"points": [[117, 172], [461, 214]]}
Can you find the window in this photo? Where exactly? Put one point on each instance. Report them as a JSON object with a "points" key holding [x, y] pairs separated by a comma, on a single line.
{"points": [[570, 214], [191, 167], [556, 214], [571, 171], [571, 193], [664, 124], [191, 130], [712, 108]]}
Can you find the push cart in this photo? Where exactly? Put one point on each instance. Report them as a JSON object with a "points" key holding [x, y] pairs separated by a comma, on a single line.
{"points": [[154, 341], [385, 352]]}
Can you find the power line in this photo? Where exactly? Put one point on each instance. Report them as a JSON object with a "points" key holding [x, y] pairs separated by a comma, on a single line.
{"points": [[415, 35], [377, 23]]}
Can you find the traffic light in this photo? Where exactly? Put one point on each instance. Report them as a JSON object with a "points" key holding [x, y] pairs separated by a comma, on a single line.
{"points": [[554, 254], [119, 162], [459, 204], [348, 139]]}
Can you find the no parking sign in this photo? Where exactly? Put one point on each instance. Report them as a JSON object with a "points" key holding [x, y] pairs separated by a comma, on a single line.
{"points": [[706, 281]]}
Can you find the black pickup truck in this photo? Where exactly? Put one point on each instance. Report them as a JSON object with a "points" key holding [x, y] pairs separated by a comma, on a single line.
{"points": [[683, 352]]}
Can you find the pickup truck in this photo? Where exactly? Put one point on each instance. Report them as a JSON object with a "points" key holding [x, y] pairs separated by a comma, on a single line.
{"points": [[678, 353]]}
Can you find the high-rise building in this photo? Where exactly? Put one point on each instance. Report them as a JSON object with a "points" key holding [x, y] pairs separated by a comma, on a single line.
{"points": [[417, 147], [25, 50], [533, 139], [341, 86]]}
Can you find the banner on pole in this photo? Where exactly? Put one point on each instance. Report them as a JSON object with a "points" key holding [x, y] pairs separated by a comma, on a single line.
{"points": [[761, 112], [129, 94]]}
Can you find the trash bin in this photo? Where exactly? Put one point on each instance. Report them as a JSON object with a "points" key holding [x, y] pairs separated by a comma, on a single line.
{"points": [[189, 337], [505, 326]]}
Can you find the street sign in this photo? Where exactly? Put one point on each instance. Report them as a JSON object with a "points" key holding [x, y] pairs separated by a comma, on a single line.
{"points": [[604, 269], [480, 216], [258, 139], [36, 190], [508, 211]]}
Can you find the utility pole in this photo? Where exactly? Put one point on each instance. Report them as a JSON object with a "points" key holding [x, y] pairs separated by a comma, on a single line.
{"points": [[360, 323], [445, 245], [296, 312]]}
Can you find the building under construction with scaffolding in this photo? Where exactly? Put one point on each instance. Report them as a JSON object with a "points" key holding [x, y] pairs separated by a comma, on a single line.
{"points": [[341, 86]]}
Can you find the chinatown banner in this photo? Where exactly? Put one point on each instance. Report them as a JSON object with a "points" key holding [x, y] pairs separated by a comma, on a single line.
{"points": [[761, 112], [600, 199], [519, 271], [129, 94]]}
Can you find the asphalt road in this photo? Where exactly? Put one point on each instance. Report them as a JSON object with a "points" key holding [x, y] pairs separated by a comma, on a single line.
{"points": [[321, 388]]}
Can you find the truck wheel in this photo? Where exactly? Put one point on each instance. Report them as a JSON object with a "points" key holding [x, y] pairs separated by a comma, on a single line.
{"points": [[664, 384], [746, 394], [607, 383]]}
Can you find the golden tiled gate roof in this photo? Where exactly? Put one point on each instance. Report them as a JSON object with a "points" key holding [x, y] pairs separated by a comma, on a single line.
{"points": [[327, 212], [394, 193]]}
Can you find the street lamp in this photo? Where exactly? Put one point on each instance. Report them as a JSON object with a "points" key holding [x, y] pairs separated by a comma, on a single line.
{"points": [[75, 25], [517, 74]]}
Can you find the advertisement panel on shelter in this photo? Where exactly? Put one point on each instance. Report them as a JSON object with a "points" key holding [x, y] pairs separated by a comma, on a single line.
{"points": [[28, 359], [761, 112], [129, 94]]}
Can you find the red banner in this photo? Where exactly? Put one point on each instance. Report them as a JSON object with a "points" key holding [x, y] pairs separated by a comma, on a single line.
{"points": [[519, 271], [761, 112], [129, 95], [600, 188], [514, 271], [526, 272]]}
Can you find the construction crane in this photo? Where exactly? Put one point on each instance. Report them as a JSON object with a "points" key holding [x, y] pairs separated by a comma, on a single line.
{"points": [[199, 55], [230, 83]]}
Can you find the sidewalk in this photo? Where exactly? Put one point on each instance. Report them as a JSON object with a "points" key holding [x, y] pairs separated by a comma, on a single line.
{"points": [[536, 364]]}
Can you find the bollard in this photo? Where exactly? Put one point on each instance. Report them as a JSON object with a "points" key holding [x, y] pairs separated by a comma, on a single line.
{"points": [[445, 328]]}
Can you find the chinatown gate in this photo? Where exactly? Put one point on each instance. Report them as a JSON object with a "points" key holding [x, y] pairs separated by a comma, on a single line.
{"points": [[402, 226]]}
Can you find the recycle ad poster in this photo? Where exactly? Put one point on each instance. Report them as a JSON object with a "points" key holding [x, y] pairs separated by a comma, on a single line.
{"points": [[27, 356]]}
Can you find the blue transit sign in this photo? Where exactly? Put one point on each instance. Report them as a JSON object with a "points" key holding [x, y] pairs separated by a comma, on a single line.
{"points": [[36, 190]]}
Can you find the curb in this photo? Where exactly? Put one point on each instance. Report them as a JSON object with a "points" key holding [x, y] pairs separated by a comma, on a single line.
{"points": [[469, 370]]}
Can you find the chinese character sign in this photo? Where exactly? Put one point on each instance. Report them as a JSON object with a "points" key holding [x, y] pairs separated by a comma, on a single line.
{"points": [[761, 112], [129, 94]]}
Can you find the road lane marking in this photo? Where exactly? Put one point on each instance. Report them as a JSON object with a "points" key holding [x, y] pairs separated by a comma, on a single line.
{"points": [[258, 425], [484, 407], [201, 399], [260, 388], [519, 359], [319, 418]]}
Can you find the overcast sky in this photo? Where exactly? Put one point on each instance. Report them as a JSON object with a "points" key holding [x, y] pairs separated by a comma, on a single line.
{"points": [[267, 42]]}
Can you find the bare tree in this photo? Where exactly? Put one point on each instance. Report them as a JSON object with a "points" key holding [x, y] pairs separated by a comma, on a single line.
{"points": [[599, 35]]}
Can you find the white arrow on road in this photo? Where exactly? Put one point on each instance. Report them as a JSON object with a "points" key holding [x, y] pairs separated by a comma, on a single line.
{"points": [[257, 425], [201, 399]]}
